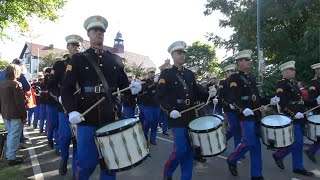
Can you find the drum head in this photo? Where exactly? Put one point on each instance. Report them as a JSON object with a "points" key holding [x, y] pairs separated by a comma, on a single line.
{"points": [[204, 123], [276, 120], [314, 118], [116, 125]]}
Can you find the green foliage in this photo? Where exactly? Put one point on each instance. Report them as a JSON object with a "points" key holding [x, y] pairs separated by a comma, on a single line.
{"points": [[289, 31], [47, 61], [203, 57], [18, 13], [137, 70], [3, 64]]}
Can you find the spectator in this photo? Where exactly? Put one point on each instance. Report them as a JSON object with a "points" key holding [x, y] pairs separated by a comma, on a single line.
{"points": [[303, 90], [13, 111]]}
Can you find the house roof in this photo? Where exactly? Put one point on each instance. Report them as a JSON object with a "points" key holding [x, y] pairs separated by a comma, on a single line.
{"points": [[130, 57]]}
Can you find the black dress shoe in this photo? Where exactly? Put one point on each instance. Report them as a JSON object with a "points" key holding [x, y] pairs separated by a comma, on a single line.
{"points": [[257, 178], [57, 152], [50, 144], [63, 168], [167, 178], [232, 168], [165, 133], [153, 143], [41, 131], [303, 172], [278, 162], [18, 160], [311, 156]]}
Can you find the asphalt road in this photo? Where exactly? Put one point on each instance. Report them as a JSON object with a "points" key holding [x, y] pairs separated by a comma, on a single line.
{"points": [[45, 163]]}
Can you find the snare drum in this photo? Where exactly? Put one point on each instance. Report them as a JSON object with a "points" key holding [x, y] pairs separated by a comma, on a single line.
{"points": [[313, 128], [277, 131], [122, 144], [208, 133]]}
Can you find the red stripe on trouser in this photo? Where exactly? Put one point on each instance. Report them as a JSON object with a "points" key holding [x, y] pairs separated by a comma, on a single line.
{"points": [[242, 144], [278, 154], [172, 157]]}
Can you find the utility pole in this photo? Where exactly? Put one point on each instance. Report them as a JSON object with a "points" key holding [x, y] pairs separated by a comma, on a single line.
{"points": [[261, 63]]}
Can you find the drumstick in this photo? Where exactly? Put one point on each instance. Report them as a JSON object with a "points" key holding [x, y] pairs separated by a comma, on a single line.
{"points": [[278, 108], [260, 107], [311, 109], [76, 91], [118, 92], [191, 108]]}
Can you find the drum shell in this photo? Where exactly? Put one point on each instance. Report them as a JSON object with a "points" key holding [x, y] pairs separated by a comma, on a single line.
{"points": [[121, 149], [312, 130], [282, 136], [212, 141]]}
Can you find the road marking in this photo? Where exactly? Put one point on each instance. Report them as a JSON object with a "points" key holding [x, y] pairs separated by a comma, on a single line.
{"points": [[34, 161], [168, 140]]}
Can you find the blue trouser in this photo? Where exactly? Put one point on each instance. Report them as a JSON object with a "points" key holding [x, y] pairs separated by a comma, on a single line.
{"points": [[128, 112], [296, 148], [182, 155], [163, 120], [234, 128], [36, 116], [14, 128], [152, 114], [30, 113], [53, 125], [141, 115], [250, 130], [88, 156], [314, 148], [42, 114], [65, 140]]}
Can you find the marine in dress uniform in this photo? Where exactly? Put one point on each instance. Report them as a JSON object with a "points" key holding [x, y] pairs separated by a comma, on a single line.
{"points": [[151, 107], [82, 72], [52, 123], [314, 92], [245, 98], [177, 90], [292, 104], [54, 86], [128, 103], [228, 109]]}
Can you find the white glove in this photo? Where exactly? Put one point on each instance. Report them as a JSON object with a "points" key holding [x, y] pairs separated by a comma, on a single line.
{"points": [[136, 87], [156, 79], [175, 114], [247, 112], [212, 91], [318, 100], [75, 117], [215, 101], [275, 100], [60, 100], [231, 106], [299, 115]]}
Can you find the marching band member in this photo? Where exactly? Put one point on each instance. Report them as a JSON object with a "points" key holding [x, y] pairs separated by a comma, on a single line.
{"points": [[177, 90], [245, 99], [83, 70], [229, 111], [128, 103], [314, 92], [54, 87], [292, 104], [151, 108]]}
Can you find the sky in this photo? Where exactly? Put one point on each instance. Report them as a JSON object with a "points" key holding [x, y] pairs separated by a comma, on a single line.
{"points": [[148, 27]]}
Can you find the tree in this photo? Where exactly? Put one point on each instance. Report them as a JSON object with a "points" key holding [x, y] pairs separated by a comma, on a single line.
{"points": [[3, 64], [203, 57], [137, 70], [289, 31], [47, 61], [18, 13]]}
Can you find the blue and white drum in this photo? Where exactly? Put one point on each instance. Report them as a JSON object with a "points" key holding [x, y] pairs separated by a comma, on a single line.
{"points": [[122, 144], [208, 133], [277, 131], [313, 128]]}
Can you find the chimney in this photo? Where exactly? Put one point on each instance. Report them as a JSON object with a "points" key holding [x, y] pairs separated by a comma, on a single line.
{"points": [[51, 46]]}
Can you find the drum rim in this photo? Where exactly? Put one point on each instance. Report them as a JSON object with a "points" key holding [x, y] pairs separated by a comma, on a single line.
{"points": [[276, 127], [115, 131], [311, 122], [207, 130], [216, 153], [130, 166], [276, 148]]}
